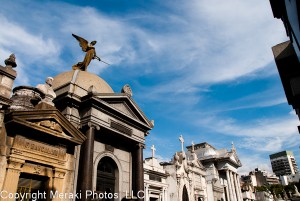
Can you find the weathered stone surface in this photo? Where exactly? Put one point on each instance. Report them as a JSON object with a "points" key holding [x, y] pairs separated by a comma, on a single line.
{"points": [[25, 98]]}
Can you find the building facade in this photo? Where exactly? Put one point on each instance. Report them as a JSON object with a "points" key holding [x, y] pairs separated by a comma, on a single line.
{"points": [[72, 138], [155, 180], [283, 163], [221, 165], [202, 173], [287, 54]]}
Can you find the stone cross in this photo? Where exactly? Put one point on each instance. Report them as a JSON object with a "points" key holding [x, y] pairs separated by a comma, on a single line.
{"points": [[153, 150], [233, 148], [182, 141], [193, 147]]}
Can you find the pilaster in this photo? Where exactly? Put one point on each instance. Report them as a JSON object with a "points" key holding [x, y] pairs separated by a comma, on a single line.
{"points": [[58, 181], [12, 177]]}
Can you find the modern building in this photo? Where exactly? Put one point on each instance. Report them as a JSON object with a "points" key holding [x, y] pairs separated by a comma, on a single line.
{"points": [[283, 163], [287, 179], [62, 138], [287, 54]]}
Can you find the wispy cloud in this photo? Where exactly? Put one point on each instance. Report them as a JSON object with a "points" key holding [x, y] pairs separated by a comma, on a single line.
{"points": [[250, 162], [283, 126], [184, 50]]}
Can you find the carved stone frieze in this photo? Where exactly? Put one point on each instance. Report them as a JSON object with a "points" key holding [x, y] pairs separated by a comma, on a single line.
{"points": [[23, 144]]}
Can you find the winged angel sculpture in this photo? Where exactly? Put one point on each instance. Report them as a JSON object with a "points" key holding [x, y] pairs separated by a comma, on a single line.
{"points": [[90, 53]]}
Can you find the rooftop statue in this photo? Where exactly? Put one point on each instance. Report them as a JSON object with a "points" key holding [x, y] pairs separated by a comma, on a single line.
{"points": [[11, 61], [90, 51], [48, 91]]}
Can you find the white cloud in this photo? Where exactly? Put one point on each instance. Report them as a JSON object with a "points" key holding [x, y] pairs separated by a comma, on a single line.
{"points": [[284, 126], [250, 162], [231, 43]]}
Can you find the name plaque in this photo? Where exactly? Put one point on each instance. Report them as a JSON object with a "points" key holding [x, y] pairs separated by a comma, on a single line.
{"points": [[23, 143]]}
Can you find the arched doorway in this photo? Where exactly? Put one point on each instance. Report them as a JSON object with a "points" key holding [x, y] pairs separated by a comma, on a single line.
{"points": [[107, 174], [185, 196]]}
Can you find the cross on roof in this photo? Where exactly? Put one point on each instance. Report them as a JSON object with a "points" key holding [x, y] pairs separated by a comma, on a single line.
{"points": [[233, 148], [182, 141], [193, 147], [153, 150]]}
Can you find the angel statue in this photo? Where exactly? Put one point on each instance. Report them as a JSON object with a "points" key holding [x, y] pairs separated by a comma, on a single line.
{"points": [[90, 53]]}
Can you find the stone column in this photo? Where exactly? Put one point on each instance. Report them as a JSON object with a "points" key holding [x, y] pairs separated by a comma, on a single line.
{"points": [[236, 187], [165, 197], [233, 186], [138, 171], [239, 187], [227, 192], [12, 177], [58, 181], [229, 185], [85, 172], [147, 192]]}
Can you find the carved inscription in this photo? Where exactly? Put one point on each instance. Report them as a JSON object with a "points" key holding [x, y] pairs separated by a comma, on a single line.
{"points": [[121, 128], [33, 146]]}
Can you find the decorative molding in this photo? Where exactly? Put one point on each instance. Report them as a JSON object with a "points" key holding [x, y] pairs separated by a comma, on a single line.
{"points": [[37, 169], [59, 173], [109, 148], [93, 125]]}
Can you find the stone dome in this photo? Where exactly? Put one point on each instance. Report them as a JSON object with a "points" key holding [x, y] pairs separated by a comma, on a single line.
{"points": [[79, 82]]}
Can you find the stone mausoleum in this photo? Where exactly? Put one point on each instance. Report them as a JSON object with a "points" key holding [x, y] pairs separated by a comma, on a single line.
{"points": [[72, 138], [202, 173]]}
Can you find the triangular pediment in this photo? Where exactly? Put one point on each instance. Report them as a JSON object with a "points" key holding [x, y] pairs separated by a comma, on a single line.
{"points": [[234, 158], [126, 106], [123, 107], [50, 122]]}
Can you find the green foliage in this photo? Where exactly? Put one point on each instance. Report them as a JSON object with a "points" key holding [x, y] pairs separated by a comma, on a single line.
{"points": [[261, 188], [290, 188], [276, 188]]}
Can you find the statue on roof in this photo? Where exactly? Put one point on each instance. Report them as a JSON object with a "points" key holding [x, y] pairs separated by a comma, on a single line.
{"points": [[47, 90], [90, 51], [11, 61]]}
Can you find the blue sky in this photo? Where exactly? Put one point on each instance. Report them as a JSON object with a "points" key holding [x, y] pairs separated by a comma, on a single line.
{"points": [[203, 69]]}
